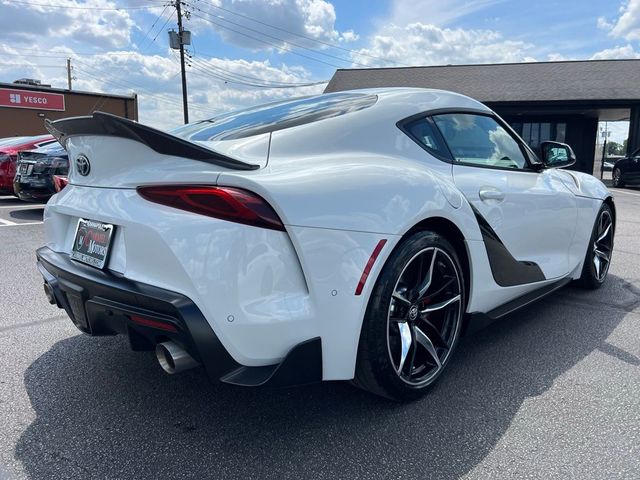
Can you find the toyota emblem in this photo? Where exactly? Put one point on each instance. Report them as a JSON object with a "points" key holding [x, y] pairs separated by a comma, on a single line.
{"points": [[82, 165]]}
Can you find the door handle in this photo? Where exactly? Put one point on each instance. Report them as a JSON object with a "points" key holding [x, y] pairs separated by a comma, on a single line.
{"points": [[491, 193]]}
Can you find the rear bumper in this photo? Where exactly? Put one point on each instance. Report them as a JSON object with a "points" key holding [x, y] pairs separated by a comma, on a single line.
{"points": [[26, 189], [103, 303]]}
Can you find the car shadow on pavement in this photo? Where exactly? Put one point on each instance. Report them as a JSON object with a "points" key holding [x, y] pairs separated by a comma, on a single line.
{"points": [[33, 214], [107, 412]]}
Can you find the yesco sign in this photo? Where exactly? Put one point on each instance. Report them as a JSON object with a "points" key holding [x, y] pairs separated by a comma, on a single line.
{"points": [[29, 99]]}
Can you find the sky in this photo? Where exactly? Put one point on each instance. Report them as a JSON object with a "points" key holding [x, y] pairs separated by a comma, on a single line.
{"points": [[246, 52]]}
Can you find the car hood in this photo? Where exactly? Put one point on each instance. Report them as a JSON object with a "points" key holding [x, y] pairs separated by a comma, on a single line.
{"points": [[583, 184]]}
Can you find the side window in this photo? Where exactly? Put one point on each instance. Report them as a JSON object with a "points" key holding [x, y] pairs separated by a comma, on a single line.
{"points": [[423, 132], [479, 140]]}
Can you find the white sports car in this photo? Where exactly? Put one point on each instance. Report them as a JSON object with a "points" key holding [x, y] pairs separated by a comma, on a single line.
{"points": [[345, 236]]}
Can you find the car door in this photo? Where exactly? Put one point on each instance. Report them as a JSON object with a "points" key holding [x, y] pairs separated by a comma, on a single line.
{"points": [[527, 216]]}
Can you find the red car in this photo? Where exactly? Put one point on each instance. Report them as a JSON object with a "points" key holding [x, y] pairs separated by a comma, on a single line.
{"points": [[9, 149]]}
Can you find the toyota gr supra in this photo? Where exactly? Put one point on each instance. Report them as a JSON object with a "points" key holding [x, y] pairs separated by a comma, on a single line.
{"points": [[346, 236]]}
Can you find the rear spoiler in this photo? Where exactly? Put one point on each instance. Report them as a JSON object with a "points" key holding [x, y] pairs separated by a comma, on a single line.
{"points": [[106, 124]]}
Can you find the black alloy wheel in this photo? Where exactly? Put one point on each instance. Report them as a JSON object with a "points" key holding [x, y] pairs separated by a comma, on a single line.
{"points": [[413, 319], [599, 251]]}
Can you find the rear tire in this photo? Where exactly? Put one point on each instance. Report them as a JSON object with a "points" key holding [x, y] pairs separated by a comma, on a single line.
{"points": [[599, 251], [413, 319], [616, 176]]}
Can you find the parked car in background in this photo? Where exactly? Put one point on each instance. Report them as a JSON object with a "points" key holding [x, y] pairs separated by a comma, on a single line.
{"points": [[609, 163], [7, 140], [626, 171], [36, 169], [9, 155]]}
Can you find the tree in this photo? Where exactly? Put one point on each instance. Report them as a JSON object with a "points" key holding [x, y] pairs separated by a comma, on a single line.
{"points": [[614, 148]]}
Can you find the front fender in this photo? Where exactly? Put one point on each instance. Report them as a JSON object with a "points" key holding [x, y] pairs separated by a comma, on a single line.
{"points": [[583, 184]]}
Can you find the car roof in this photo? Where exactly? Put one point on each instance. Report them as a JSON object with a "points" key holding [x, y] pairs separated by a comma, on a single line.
{"points": [[12, 140], [22, 143], [50, 148], [281, 115]]}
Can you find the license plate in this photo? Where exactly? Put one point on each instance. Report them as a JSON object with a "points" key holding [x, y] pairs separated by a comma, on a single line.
{"points": [[25, 169], [92, 242]]}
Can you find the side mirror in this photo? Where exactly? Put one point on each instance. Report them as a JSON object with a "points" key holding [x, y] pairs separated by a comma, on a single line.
{"points": [[557, 155]]}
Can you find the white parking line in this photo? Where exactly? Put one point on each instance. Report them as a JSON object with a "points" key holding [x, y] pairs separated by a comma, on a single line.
{"points": [[7, 223], [626, 193], [22, 206]]}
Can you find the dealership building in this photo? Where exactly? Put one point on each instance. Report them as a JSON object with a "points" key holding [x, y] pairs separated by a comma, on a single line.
{"points": [[561, 101], [25, 104]]}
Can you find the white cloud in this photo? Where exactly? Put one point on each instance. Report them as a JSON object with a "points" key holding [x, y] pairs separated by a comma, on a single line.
{"points": [[349, 36], [414, 33], [627, 25], [293, 19], [626, 51], [435, 12], [556, 57], [603, 24], [160, 98], [155, 78], [35, 42], [102, 28], [428, 44]]}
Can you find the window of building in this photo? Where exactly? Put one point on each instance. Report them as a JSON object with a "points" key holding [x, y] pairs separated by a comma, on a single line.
{"points": [[534, 133]]}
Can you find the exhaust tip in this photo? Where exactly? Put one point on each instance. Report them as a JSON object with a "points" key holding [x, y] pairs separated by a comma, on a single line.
{"points": [[164, 359], [173, 358]]}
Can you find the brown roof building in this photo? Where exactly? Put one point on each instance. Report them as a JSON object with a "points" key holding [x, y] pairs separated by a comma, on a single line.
{"points": [[24, 106], [560, 101]]}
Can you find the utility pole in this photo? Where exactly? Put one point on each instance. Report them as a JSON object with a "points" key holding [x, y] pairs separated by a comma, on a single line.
{"points": [[69, 72], [184, 73], [604, 149]]}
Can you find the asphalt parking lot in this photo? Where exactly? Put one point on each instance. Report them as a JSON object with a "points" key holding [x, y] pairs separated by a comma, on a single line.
{"points": [[551, 392]]}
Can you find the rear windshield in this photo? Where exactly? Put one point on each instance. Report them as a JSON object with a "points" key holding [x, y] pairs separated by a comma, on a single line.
{"points": [[11, 140], [275, 116], [52, 148]]}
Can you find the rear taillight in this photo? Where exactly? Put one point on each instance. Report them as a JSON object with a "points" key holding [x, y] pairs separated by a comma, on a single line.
{"points": [[59, 182], [225, 203]]}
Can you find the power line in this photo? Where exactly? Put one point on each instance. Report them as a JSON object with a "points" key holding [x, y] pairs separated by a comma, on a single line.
{"points": [[306, 37], [158, 97], [73, 7], [127, 84], [273, 37], [30, 65], [164, 25], [256, 79], [210, 71], [279, 47], [62, 54], [154, 24]]}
